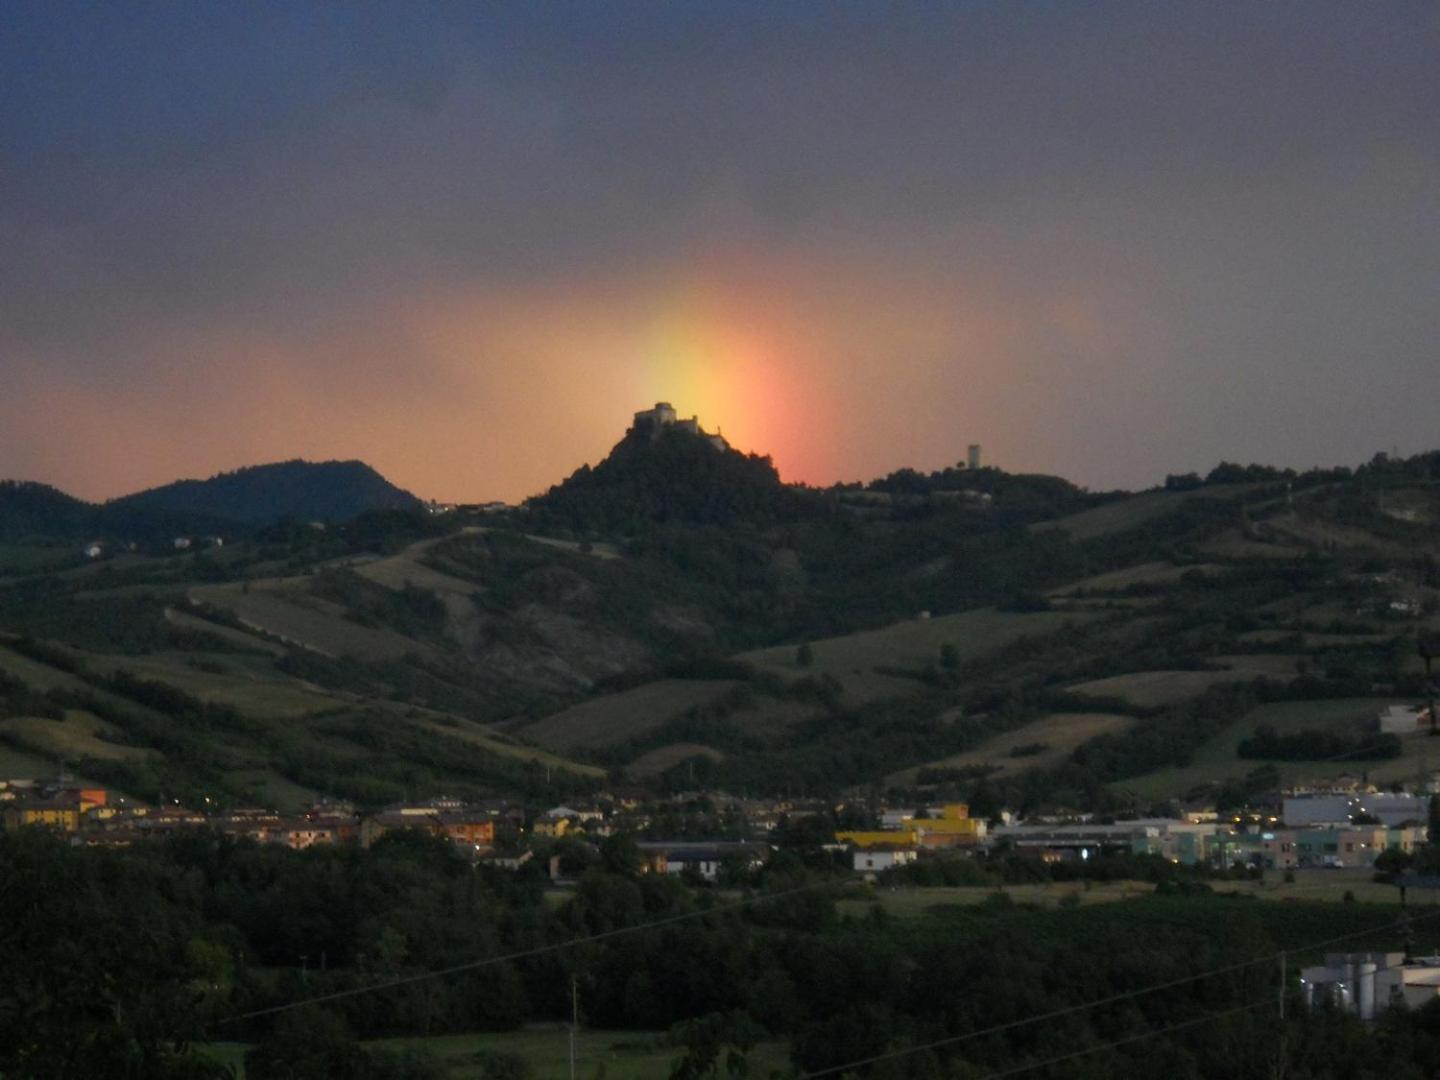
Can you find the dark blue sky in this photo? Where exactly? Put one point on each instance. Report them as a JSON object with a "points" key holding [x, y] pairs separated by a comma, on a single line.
{"points": [[464, 241]]}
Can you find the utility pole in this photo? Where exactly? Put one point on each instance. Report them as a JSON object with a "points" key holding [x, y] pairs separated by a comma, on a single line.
{"points": [[1283, 978], [574, 1018]]}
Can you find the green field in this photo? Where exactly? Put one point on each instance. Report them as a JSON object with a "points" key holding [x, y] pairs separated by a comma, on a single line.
{"points": [[239, 638], [910, 645], [1135, 511], [1154, 573], [1216, 760], [1148, 689], [630, 714], [664, 758], [621, 1055], [1060, 733], [483, 736], [281, 607], [79, 735], [277, 696]]}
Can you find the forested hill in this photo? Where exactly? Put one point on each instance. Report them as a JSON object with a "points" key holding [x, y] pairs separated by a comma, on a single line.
{"points": [[329, 491], [326, 491], [31, 509], [671, 476]]}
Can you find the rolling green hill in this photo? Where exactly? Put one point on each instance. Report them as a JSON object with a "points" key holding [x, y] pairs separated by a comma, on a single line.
{"points": [[676, 616]]}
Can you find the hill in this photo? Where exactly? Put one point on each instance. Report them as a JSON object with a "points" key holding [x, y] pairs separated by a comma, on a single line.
{"points": [[327, 491], [28, 509], [669, 474], [677, 616]]}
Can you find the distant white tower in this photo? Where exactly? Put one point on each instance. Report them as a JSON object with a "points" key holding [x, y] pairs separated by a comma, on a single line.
{"points": [[972, 456]]}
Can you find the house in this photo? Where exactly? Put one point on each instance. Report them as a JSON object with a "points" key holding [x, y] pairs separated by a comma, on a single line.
{"points": [[478, 830], [61, 814], [94, 551], [878, 859], [704, 859], [182, 543], [551, 828], [1404, 719], [505, 860]]}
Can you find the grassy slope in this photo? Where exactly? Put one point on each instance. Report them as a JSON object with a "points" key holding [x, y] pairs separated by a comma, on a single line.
{"points": [[281, 607], [853, 658], [1061, 733], [1151, 688], [1137, 510], [79, 735], [1216, 760], [629, 714]]}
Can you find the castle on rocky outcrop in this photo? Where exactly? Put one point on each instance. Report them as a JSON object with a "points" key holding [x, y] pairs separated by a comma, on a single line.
{"points": [[662, 417]]}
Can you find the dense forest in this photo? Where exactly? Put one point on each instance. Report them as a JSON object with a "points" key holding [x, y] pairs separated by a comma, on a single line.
{"points": [[119, 963]]}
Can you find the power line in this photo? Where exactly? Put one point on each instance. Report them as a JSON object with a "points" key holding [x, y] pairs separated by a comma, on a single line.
{"points": [[1070, 1010], [1193, 1022], [542, 950]]}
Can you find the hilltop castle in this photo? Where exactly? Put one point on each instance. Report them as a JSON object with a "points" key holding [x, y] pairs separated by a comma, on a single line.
{"points": [[662, 417]]}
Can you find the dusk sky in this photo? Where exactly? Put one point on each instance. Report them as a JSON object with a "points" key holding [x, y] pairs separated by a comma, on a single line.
{"points": [[465, 242]]}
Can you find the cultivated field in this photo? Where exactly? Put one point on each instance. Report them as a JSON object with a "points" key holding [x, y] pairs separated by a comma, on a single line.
{"points": [[1133, 512], [909, 645], [239, 638], [663, 758], [1154, 573], [276, 696], [282, 608], [630, 714], [1148, 689], [482, 736], [1216, 760], [79, 735], [1060, 733]]}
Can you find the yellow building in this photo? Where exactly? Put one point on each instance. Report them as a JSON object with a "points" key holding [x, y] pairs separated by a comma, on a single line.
{"points": [[64, 816], [552, 827], [952, 828]]}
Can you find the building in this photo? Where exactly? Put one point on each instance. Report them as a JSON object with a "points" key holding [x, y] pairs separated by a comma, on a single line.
{"points": [[62, 814], [952, 826], [973, 456], [1404, 720], [663, 417], [876, 860], [1368, 983], [704, 859], [1340, 809]]}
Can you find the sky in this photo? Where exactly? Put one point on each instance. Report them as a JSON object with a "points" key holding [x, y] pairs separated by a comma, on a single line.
{"points": [[466, 242]]}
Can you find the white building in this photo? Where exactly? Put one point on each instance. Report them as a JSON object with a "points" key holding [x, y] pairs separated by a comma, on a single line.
{"points": [[1404, 719], [876, 860], [1386, 807], [1369, 983]]}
